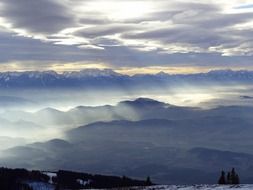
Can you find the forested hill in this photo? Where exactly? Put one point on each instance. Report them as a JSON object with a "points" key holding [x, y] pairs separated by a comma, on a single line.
{"points": [[22, 179]]}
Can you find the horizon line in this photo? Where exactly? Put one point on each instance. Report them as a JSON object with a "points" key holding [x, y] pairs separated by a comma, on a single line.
{"points": [[119, 71]]}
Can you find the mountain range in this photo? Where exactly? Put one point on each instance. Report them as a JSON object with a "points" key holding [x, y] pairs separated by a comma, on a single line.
{"points": [[141, 137], [90, 78], [133, 110]]}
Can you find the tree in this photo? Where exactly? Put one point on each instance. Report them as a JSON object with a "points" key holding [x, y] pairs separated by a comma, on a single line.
{"points": [[229, 181], [236, 180], [148, 181], [234, 177], [222, 179]]}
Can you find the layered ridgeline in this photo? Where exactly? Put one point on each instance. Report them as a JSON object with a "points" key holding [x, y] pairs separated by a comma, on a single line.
{"points": [[172, 144], [35, 90], [93, 78]]}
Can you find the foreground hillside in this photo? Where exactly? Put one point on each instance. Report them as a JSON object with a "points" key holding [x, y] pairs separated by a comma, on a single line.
{"points": [[21, 179]]}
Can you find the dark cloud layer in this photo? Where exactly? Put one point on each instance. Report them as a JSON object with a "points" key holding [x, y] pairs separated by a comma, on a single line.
{"points": [[185, 33], [40, 55], [40, 16]]}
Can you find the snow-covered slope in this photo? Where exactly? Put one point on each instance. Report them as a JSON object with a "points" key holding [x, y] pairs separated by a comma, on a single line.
{"points": [[194, 187], [40, 186], [91, 73]]}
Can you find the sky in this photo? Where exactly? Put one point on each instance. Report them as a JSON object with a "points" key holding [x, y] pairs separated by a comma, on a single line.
{"points": [[134, 36]]}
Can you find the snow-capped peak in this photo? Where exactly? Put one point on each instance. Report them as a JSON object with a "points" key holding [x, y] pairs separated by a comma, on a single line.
{"points": [[92, 73]]}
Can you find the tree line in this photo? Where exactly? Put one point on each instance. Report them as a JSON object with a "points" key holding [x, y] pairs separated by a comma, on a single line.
{"points": [[230, 178], [18, 179]]}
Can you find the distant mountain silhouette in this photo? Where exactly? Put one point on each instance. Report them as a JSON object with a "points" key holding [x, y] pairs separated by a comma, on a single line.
{"points": [[93, 78], [133, 138], [147, 102], [169, 165]]}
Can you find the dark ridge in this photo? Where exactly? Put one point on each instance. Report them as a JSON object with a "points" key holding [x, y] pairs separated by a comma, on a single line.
{"points": [[21, 179], [142, 102]]}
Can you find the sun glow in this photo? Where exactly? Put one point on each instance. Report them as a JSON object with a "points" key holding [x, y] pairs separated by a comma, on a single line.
{"points": [[122, 10]]}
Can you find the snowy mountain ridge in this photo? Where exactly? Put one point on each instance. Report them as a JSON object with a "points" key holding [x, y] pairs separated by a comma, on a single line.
{"points": [[91, 73], [109, 72], [110, 78]]}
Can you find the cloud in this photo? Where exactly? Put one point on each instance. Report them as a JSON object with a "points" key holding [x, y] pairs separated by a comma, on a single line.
{"points": [[133, 33], [104, 30], [24, 53], [40, 16], [245, 6], [18, 48], [198, 28]]}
